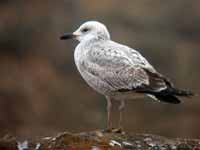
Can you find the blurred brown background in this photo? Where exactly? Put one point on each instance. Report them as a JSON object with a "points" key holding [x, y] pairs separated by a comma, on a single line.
{"points": [[42, 93]]}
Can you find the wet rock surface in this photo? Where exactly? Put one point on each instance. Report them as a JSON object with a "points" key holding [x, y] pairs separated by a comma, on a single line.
{"points": [[100, 140]]}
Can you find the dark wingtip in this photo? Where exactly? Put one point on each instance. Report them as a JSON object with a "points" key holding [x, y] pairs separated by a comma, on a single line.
{"points": [[185, 93]]}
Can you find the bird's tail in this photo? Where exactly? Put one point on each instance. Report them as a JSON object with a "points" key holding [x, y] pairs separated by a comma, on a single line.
{"points": [[170, 95]]}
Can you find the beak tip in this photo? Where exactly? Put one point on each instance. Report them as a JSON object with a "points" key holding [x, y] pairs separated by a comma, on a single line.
{"points": [[67, 36], [62, 37]]}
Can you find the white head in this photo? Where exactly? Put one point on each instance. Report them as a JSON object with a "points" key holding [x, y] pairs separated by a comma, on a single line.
{"points": [[89, 30]]}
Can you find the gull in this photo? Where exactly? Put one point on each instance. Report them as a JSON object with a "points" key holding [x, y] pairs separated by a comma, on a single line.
{"points": [[117, 71]]}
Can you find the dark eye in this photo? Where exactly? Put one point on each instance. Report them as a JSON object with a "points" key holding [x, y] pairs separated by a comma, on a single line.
{"points": [[85, 30]]}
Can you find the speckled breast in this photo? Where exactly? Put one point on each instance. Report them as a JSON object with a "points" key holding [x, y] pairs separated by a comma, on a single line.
{"points": [[92, 80]]}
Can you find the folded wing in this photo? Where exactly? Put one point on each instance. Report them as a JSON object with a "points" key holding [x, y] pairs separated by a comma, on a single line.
{"points": [[124, 69]]}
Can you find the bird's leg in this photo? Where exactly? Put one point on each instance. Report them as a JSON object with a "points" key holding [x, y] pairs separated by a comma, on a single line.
{"points": [[109, 111], [121, 111]]}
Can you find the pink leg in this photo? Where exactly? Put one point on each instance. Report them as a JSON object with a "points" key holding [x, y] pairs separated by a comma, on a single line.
{"points": [[121, 111], [109, 111]]}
